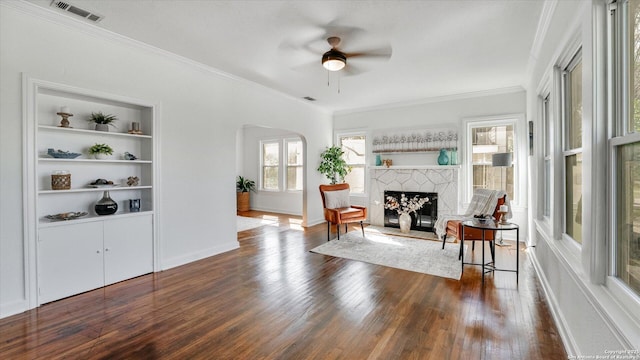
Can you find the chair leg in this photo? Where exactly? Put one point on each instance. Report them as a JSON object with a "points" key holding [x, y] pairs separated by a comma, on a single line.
{"points": [[473, 245], [338, 230], [328, 230], [346, 228], [444, 240], [362, 227]]}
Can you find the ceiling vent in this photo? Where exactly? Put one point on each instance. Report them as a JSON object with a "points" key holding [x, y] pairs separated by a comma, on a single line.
{"points": [[65, 6], [309, 98]]}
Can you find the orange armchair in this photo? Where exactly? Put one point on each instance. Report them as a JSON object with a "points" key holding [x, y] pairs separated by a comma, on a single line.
{"points": [[337, 210]]}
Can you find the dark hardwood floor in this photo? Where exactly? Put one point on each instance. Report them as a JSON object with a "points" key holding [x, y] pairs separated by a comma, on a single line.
{"points": [[273, 299]]}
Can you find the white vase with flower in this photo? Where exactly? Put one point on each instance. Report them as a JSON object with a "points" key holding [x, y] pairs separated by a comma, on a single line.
{"points": [[404, 207]]}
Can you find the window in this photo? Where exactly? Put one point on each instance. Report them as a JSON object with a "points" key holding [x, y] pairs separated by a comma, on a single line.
{"points": [[294, 165], [572, 126], [546, 149], [625, 146], [274, 169], [486, 139], [270, 165], [354, 147]]}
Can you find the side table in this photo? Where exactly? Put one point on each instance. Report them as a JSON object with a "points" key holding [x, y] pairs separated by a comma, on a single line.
{"points": [[491, 226]]}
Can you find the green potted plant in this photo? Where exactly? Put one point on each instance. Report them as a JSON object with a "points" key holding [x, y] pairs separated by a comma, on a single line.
{"points": [[332, 165], [100, 151], [243, 187], [102, 121]]}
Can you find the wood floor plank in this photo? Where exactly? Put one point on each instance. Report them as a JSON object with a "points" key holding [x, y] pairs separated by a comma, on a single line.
{"points": [[273, 299]]}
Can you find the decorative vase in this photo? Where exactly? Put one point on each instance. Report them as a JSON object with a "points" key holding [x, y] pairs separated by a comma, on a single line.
{"points": [[405, 223], [100, 156], [243, 201], [443, 159], [454, 157], [106, 205], [378, 160], [102, 127]]}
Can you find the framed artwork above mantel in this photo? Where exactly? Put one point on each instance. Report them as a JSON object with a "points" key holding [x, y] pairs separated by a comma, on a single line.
{"points": [[414, 140]]}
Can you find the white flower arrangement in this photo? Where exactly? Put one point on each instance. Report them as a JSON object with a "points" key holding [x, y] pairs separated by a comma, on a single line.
{"points": [[405, 205]]}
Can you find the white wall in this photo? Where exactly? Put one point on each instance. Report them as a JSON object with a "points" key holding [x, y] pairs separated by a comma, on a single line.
{"points": [[447, 112], [589, 318], [200, 112], [284, 202]]}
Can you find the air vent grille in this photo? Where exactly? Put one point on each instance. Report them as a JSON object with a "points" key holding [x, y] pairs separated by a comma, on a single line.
{"points": [[309, 98], [65, 6]]}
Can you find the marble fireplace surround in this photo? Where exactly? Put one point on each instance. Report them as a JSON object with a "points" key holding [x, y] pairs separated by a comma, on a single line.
{"points": [[439, 179]]}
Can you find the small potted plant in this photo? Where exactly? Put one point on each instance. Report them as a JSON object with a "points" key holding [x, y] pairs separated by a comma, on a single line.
{"points": [[102, 121], [100, 151], [243, 187], [332, 165]]}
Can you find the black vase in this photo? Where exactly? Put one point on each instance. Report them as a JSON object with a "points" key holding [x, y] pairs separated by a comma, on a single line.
{"points": [[106, 205]]}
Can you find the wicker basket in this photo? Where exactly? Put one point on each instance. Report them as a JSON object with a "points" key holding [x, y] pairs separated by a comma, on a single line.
{"points": [[61, 182]]}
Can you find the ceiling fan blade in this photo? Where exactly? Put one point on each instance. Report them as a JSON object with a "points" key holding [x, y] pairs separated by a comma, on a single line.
{"points": [[352, 70], [381, 54]]}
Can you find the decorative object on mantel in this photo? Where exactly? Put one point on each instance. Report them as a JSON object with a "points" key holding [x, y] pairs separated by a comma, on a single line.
{"points": [[415, 141], [100, 151], [404, 208], [60, 180], [102, 183], [102, 121], [332, 165], [106, 205], [378, 160], [66, 216], [387, 162], [135, 128], [133, 181], [443, 159], [66, 114], [60, 154], [453, 160], [128, 156]]}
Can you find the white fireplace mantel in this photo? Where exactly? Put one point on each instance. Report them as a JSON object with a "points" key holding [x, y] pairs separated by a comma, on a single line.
{"points": [[441, 179]]}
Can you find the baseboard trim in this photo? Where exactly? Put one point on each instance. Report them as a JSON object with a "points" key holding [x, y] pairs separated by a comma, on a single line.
{"points": [[13, 308], [198, 255]]}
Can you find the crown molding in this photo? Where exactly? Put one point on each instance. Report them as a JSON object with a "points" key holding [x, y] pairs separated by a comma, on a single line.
{"points": [[548, 9], [434, 99], [95, 30]]}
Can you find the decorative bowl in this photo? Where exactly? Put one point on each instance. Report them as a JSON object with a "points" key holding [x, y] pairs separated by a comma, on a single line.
{"points": [[66, 216], [59, 154]]}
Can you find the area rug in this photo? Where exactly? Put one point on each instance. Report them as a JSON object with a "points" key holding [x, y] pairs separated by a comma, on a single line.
{"points": [[395, 231], [398, 252], [246, 223]]}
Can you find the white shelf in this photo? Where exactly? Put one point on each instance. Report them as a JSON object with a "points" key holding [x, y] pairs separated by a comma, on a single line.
{"points": [[94, 161], [416, 167], [44, 222], [81, 190], [405, 152], [92, 132]]}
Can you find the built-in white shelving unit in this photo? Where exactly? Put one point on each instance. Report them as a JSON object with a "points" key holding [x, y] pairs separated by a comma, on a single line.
{"points": [[69, 257]]}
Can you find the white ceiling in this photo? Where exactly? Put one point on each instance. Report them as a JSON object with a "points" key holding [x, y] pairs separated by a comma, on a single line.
{"points": [[439, 48]]}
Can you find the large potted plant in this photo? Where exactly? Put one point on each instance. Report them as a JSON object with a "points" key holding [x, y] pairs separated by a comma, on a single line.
{"points": [[332, 165], [243, 187]]}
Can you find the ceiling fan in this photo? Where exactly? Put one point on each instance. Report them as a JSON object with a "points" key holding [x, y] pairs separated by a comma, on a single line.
{"points": [[336, 60], [346, 43]]}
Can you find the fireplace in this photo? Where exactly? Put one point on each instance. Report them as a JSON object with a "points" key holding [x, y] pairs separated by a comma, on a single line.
{"points": [[423, 219]]}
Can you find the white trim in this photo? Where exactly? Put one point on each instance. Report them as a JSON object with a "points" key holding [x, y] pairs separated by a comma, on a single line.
{"points": [[548, 9], [198, 255], [433, 99]]}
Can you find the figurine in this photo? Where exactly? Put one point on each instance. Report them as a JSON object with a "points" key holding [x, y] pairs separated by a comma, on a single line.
{"points": [[129, 156], [133, 181]]}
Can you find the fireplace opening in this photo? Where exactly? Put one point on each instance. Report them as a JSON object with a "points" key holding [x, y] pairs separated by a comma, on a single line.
{"points": [[423, 219]]}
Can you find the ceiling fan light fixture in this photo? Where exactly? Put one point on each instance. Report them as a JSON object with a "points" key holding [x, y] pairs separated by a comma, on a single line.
{"points": [[334, 60]]}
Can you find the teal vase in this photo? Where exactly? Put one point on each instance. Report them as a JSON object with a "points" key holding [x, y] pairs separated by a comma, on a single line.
{"points": [[454, 157], [443, 159]]}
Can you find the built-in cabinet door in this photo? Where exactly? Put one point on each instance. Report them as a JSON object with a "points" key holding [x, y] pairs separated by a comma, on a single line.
{"points": [[70, 260], [128, 248]]}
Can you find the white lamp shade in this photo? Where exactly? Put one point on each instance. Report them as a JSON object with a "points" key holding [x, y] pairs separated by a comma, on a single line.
{"points": [[501, 159]]}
